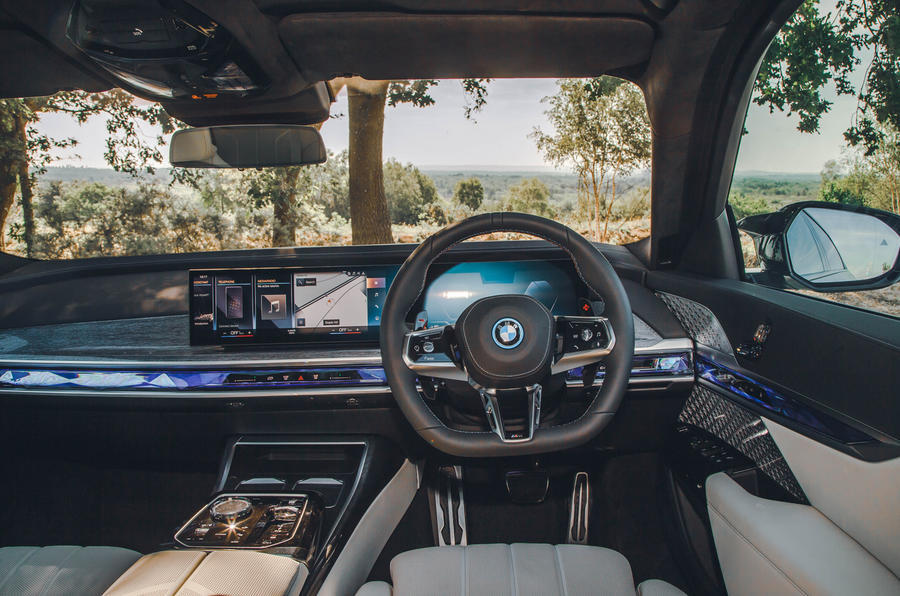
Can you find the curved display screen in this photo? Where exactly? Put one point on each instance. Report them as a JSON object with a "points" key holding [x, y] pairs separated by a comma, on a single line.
{"points": [[233, 306], [240, 306], [461, 285]]}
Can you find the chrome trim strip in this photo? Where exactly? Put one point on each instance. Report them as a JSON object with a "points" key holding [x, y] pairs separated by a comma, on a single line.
{"points": [[679, 344], [648, 380], [571, 360], [664, 345], [439, 369]]}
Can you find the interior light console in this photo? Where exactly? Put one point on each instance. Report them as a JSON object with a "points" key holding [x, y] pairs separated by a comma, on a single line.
{"points": [[240, 306]]}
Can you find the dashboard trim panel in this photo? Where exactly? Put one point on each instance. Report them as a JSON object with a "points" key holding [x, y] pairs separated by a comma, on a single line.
{"points": [[663, 347]]}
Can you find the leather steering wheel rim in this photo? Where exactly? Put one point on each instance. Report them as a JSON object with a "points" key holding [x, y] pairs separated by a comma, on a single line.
{"points": [[594, 270]]}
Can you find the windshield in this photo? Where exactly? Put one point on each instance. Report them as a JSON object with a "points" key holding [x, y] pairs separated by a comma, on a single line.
{"points": [[85, 175]]}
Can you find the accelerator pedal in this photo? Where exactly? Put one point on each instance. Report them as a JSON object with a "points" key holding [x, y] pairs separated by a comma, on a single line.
{"points": [[448, 507], [579, 510]]}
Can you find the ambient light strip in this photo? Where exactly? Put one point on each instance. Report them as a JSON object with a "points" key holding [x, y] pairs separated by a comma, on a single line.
{"points": [[744, 388], [188, 380]]}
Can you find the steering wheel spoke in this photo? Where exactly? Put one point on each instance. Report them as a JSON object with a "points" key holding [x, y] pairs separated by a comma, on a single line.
{"points": [[495, 417], [582, 341], [431, 353]]}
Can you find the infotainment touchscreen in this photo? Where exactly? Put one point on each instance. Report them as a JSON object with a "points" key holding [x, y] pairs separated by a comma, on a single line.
{"points": [[286, 305]]}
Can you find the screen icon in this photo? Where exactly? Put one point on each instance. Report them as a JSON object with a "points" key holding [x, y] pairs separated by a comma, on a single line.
{"points": [[234, 300], [273, 307]]}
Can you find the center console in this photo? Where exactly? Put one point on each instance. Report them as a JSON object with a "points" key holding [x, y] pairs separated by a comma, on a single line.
{"points": [[294, 496], [285, 524]]}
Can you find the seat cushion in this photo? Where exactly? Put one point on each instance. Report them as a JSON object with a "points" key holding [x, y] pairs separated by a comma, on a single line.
{"points": [[513, 569], [61, 570]]}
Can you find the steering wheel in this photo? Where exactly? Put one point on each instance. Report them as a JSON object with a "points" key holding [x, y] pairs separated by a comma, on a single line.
{"points": [[507, 342]]}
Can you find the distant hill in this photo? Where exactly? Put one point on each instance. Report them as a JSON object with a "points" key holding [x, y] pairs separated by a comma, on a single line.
{"points": [[106, 176], [779, 187]]}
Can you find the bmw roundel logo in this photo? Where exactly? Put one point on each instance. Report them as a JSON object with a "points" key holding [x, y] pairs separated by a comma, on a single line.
{"points": [[507, 333]]}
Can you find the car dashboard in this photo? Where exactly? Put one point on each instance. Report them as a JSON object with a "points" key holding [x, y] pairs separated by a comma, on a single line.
{"points": [[251, 324]]}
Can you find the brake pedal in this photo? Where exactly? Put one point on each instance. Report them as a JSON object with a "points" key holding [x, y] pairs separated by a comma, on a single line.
{"points": [[448, 507], [579, 510]]}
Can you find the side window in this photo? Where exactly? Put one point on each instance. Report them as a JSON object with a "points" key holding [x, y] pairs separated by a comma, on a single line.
{"points": [[816, 189]]}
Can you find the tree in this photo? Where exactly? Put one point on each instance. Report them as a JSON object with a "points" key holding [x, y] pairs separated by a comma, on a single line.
{"points": [[80, 220], [872, 181], [602, 132], [409, 192], [469, 193], [369, 212], [529, 196], [814, 51], [24, 152], [282, 188]]}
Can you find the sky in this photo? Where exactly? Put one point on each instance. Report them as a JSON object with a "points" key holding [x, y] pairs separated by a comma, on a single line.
{"points": [[440, 135]]}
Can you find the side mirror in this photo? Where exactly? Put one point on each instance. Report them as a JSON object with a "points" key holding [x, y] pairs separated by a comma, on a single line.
{"points": [[826, 247], [247, 146]]}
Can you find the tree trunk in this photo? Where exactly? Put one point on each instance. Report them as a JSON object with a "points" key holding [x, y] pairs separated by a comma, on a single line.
{"points": [[12, 147], [27, 207], [369, 218], [609, 208], [284, 215], [8, 183], [26, 190]]}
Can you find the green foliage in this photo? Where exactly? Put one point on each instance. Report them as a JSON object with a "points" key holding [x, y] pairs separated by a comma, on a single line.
{"points": [[871, 181], [815, 50], [469, 193], [634, 204], [834, 193], [409, 192], [88, 220], [418, 93], [602, 133], [130, 147], [435, 214], [529, 196], [744, 205]]}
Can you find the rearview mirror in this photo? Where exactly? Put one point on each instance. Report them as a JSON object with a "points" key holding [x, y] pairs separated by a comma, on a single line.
{"points": [[827, 247], [247, 146]]}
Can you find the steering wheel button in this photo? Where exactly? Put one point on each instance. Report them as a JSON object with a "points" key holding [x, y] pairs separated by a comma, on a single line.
{"points": [[428, 347], [586, 334]]}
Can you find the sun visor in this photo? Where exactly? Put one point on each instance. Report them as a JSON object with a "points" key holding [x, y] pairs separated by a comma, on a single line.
{"points": [[413, 46]]}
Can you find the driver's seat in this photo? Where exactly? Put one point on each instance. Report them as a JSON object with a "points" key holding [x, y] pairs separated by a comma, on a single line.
{"points": [[516, 570]]}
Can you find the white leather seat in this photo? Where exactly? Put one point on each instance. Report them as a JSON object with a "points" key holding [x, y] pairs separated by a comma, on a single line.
{"points": [[516, 570], [61, 570]]}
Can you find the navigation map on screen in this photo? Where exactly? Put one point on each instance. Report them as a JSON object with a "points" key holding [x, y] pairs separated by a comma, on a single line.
{"points": [[334, 299]]}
